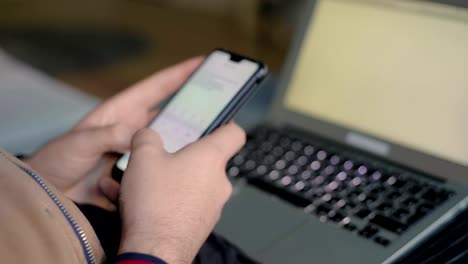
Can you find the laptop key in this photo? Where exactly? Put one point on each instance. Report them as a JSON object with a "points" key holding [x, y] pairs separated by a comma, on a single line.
{"points": [[293, 198], [285, 142], [238, 160], [424, 208], [370, 199], [302, 160], [322, 210], [350, 227], [261, 170], [273, 137], [368, 231], [356, 181], [362, 170], [348, 165], [321, 155], [349, 206], [317, 181], [248, 166], [306, 175], [273, 176], [414, 189], [382, 241], [377, 189], [233, 171], [266, 146], [280, 164], [410, 201], [341, 203], [335, 216], [329, 170], [401, 213], [376, 176], [300, 186], [393, 195], [293, 169], [309, 150], [326, 197], [434, 196], [414, 218], [315, 165], [388, 223], [286, 181], [332, 186], [289, 155], [362, 213], [296, 146], [269, 159], [384, 207], [277, 151], [335, 160], [341, 176]]}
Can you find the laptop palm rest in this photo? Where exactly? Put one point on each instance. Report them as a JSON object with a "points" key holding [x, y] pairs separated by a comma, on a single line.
{"points": [[254, 220], [318, 242]]}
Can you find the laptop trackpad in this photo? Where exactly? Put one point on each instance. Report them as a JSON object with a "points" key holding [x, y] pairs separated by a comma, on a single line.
{"points": [[253, 220]]}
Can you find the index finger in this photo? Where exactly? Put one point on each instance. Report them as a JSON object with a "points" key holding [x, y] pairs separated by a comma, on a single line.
{"points": [[227, 140], [154, 89]]}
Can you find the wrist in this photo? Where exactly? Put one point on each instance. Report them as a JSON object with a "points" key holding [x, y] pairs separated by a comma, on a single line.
{"points": [[167, 248]]}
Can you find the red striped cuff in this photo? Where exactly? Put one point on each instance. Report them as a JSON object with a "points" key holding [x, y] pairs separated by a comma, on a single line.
{"points": [[137, 258], [134, 261]]}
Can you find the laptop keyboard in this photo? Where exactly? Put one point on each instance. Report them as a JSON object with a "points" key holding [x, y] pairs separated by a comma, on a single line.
{"points": [[377, 201]]}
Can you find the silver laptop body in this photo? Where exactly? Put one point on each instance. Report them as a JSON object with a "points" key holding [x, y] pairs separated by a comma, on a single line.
{"points": [[273, 230]]}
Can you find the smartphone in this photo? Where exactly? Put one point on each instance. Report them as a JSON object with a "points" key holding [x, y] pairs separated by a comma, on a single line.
{"points": [[208, 99]]}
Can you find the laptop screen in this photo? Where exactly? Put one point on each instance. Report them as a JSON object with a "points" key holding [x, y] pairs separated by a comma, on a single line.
{"points": [[397, 70]]}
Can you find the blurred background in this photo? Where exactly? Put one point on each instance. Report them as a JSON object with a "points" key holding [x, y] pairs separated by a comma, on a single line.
{"points": [[101, 47]]}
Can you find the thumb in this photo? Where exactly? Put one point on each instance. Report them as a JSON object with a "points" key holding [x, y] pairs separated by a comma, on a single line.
{"points": [[110, 188], [147, 137]]}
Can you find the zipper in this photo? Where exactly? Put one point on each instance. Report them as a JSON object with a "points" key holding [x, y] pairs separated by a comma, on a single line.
{"points": [[80, 234]]}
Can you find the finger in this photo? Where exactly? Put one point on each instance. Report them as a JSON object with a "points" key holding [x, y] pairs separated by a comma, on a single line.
{"points": [[148, 138], [113, 138], [226, 140], [110, 188], [160, 85], [141, 98], [151, 116]]}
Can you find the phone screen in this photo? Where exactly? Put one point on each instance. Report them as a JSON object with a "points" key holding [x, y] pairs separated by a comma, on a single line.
{"points": [[200, 101]]}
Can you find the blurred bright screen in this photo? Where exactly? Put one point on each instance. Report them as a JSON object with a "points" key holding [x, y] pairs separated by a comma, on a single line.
{"points": [[397, 70]]}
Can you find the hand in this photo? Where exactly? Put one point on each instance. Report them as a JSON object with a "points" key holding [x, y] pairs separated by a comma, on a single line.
{"points": [[79, 163], [171, 202]]}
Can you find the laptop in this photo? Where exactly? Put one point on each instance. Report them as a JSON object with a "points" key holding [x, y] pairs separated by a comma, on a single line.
{"points": [[365, 152]]}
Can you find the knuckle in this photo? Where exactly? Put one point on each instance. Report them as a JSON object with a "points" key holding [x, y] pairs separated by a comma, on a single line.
{"points": [[114, 133], [229, 188], [138, 135], [241, 132], [143, 139], [215, 153], [242, 136], [143, 133]]}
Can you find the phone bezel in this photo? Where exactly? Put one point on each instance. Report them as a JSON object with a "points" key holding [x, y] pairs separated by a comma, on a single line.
{"points": [[241, 96]]}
